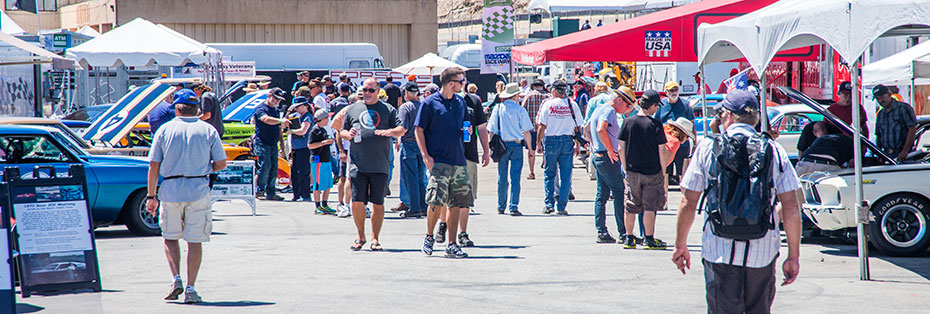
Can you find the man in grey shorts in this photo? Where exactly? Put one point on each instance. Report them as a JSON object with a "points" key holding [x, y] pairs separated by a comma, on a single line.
{"points": [[184, 152], [643, 152]]}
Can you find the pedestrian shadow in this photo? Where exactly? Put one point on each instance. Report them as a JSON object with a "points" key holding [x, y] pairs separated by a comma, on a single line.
{"points": [[27, 308], [114, 234], [217, 233], [239, 215], [228, 303], [512, 247], [493, 257], [400, 250]]}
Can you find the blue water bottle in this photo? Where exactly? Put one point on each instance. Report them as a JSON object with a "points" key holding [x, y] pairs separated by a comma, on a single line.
{"points": [[467, 135]]}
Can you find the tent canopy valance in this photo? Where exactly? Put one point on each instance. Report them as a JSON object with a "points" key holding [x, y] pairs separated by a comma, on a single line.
{"points": [[142, 43], [667, 35]]}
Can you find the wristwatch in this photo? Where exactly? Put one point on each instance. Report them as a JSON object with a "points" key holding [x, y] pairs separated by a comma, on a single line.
{"points": [[151, 197]]}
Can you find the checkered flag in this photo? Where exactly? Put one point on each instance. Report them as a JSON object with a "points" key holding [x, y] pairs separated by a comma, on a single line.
{"points": [[498, 22]]}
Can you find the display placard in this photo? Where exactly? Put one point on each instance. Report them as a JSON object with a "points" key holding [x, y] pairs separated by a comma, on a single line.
{"points": [[53, 231], [236, 182], [7, 293]]}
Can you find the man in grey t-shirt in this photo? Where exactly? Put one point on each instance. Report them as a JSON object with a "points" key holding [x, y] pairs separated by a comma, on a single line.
{"points": [[184, 152], [369, 125]]}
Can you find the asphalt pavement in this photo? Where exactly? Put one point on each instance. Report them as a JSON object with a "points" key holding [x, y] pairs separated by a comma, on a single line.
{"points": [[288, 260]]}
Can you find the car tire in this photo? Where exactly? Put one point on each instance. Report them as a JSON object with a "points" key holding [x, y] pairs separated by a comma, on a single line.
{"points": [[137, 219], [901, 226]]}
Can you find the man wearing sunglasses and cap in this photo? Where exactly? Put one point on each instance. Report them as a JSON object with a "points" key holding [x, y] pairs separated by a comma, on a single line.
{"points": [[268, 125]]}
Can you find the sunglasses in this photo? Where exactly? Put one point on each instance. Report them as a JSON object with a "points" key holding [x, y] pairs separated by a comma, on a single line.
{"points": [[369, 90]]}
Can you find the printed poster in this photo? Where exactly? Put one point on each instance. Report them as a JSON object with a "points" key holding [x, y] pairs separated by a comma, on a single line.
{"points": [[496, 36], [51, 219]]}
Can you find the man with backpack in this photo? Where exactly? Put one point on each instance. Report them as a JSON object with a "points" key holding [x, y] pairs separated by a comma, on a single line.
{"points": [[740, 173]]}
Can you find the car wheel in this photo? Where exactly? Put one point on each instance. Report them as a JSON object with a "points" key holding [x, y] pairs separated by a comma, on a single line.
{"points": [[900, 226], [138, 220]]}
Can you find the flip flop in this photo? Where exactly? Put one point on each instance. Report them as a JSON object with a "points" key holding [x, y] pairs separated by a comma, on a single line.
{"points": [[357, 245], [531, 176], [376, 247]]}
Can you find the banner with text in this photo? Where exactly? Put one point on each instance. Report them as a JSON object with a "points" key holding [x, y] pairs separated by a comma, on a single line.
{"points": [[496, 36]]}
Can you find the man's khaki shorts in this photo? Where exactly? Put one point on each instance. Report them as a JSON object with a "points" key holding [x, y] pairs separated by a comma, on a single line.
{"points": [[449, 186], [473, 177], [192, 221], [644, 192]]}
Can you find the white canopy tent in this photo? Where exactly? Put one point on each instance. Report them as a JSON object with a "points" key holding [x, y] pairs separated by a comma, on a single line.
{"points": [[142, 43], [911, 66], [87, 30], [849, 26], [429, 64], [40, 55], [554, 6], [7, 25]]}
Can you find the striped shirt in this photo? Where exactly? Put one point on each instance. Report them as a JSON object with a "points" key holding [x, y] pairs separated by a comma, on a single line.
{"points": [[762, 251], [532, 102]]}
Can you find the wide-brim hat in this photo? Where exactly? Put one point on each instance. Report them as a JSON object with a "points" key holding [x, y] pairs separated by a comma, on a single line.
{"points": [[627, 94], [250, 88], [510, 90], [684, 125]]}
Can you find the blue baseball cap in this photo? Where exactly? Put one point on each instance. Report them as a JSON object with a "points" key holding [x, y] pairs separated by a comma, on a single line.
{"points": [[185, 96], [300, 100], [737, 101]]}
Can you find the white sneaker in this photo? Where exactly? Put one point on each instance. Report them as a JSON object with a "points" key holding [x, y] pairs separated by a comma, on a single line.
{"points": [[343, 211]]}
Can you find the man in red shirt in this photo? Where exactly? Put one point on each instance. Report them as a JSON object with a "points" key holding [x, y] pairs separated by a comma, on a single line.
{"points": [[843, 108]]}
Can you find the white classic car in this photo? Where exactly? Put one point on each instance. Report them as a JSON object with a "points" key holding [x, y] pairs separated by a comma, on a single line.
{"points": [[898, 194]]}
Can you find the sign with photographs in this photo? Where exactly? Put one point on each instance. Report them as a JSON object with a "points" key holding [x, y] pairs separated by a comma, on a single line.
{"points": [[7, 292], [53, 231], [237, 181]]}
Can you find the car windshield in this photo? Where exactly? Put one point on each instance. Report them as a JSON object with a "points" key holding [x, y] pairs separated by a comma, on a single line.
{"points": [[70, 144]]}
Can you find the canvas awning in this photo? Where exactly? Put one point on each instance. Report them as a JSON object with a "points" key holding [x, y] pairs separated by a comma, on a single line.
{"points": [[141, 43], [668, 35], [40, 55]]}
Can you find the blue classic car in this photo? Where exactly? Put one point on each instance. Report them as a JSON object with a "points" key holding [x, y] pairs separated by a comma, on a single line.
{"points": [[116, 185]]}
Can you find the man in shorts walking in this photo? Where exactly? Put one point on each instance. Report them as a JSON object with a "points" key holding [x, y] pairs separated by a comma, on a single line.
{"points": [[643, 152], [184, 152], [440, 136], [369, 125]]}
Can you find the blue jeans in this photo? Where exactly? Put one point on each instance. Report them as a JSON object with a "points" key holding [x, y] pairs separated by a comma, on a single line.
{"points": [[513, 159], [267, 165], [609, 180], [413, 176], [558, 151]]}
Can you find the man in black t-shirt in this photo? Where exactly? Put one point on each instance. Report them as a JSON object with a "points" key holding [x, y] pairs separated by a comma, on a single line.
{"points": [[827, 152], [807, 136], [643, 152], [393, 93], [479, 132]]}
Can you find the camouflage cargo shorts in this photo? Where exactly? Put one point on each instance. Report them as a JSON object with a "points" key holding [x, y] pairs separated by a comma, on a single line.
{"points": [[449, 186]]}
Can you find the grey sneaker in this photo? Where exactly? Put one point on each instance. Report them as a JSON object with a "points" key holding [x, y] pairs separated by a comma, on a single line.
{"points": [[176, 289], [428, 245], [453, 251], [191, 297]]}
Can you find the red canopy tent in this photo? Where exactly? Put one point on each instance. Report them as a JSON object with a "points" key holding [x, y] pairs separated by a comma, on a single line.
{"points": [[668, 35]]}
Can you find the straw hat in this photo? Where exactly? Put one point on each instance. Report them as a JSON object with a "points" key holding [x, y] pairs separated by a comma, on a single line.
{"points": [[510, 90], [264, 84], [684, 125], [250, 88]]}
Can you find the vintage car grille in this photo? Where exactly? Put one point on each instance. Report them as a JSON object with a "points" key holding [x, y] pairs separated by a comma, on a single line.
{"points": [[811, 196]]}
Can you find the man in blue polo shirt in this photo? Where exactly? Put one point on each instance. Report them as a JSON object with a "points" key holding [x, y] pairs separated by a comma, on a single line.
{"points": [[268, 125], [439, 136]]}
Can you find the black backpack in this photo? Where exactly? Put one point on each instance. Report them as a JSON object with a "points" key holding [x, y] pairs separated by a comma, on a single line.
{"points": [[739, 189]]}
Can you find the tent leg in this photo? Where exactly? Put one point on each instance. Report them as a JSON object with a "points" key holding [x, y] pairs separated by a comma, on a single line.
{"points": [[703, 102], [763, 108], [862, 211]]}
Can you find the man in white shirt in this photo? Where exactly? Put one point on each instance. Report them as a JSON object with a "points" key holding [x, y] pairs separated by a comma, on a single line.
{"points": [[740, 279], [558, 118]]}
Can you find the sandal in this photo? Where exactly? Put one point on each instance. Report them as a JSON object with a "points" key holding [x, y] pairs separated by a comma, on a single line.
{"points": [[376, 247], [531, 176], [357, 245]]}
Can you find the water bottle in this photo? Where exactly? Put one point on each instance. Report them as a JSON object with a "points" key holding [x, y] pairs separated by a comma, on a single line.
{"points": [[358, 132], [316, 159], [466, 134]]}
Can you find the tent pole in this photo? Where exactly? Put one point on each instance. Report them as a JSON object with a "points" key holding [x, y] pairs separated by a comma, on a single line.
{"points": [[763, 107], [703, 101], [862, 211]]}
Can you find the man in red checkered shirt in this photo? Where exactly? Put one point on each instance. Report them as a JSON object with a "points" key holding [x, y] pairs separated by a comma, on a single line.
{"points": [[532, 102]]}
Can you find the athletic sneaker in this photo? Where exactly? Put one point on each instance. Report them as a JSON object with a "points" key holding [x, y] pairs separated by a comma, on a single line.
{"points": [[464, 241], [605, 238], [630, 242], [176, 289], [328, 210], [655, 244], [441, 235], [548, 210], [428, 245], [500, 211], [562, 213], [320, 211], [191, 296], [274, 197], [453, 251]]}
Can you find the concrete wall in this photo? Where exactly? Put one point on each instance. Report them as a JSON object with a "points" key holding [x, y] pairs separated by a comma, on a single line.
{"points": [[403, 29]]}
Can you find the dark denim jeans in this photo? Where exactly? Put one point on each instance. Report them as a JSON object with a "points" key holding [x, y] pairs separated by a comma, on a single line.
{"points": [[413, 176], [300, 174], [267, 165], [609, 180], [558, 151], [511, 164]]}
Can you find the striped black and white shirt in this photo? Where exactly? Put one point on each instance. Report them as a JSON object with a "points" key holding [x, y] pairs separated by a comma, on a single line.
{"points": [[719, 250]]}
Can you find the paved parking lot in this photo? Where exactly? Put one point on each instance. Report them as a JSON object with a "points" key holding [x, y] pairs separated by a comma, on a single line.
{"points": [[287, 260]]}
